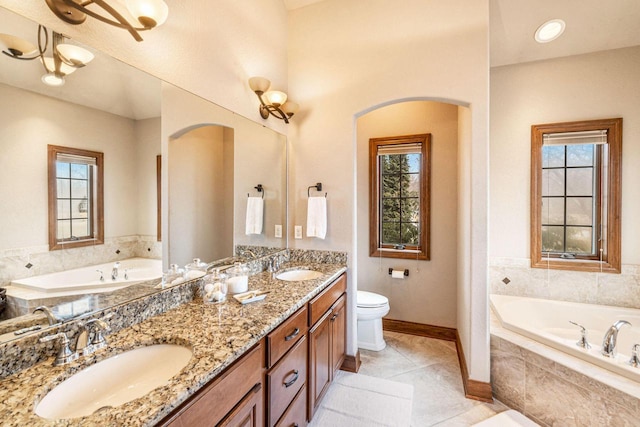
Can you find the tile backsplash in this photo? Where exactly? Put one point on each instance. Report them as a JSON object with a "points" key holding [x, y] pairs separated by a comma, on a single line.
{"points": [[622, 290]]}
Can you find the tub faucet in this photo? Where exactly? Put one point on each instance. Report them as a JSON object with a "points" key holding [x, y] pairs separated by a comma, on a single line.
{"points": [[114, 271], [609, 342], [47, 311]]}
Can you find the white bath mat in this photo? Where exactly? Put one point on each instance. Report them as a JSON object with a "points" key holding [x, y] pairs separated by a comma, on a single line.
{"points": [[508, 418], [356, 400]]}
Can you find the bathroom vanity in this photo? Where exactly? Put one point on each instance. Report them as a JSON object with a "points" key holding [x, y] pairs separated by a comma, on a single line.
{"points": [[271, 380], [267, 362]]}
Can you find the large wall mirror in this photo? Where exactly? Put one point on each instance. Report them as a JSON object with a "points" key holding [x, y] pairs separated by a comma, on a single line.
{"points": [[115, 109]]}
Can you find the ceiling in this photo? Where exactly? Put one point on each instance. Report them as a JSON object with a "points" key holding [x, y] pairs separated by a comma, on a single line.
{"points": [[592, 25]]}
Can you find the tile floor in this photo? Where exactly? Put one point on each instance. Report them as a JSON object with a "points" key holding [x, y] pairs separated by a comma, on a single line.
{"points": [[431, 366]]}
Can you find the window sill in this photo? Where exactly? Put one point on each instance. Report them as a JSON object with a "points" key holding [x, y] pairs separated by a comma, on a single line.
{"points": [[76, 244], [400, 253], [576, 265]]}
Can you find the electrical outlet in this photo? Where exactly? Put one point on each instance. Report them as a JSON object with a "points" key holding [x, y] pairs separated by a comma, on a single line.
{"points": [[278, 233], [297, 232]]}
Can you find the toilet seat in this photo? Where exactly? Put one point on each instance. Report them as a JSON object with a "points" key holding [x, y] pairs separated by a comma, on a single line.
{"points": [[366, 299]]}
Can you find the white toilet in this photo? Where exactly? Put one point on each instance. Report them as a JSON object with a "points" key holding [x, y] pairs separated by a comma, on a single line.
{"points": [[370, 310]]}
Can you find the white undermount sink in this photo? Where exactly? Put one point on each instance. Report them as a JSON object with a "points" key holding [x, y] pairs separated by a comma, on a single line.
{"points": [[114, 381], [298, 275]]}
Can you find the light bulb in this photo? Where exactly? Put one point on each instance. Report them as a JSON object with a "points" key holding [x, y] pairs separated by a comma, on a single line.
{"points": [[259, 84], [276, 98], [290, 108], [150, 13], [51, 79], [75, 54], [16, 46], [549, 31], [50, 64]]}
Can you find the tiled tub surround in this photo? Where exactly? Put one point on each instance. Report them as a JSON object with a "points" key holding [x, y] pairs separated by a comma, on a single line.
{"points": [[548, 322], [14, 262], [78, 287], [190, 322], [621, 290], [554, 388]]}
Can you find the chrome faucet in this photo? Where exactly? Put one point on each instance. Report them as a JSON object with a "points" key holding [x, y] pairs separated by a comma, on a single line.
{"points": [[88, 341], [47, 311], [609, 342], [65, 355], [114, 271], [91, 339], [635, 360]]}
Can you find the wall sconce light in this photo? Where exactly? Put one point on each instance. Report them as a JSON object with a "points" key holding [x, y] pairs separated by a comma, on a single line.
{"points": [[276, 103], [65, 58], [149, 13]]}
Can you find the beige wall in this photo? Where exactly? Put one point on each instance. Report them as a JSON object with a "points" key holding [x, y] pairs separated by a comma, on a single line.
{"points": [[428, 295], [199, 202], [593, 86], [27, 125], [148, 147], [259, 156], [347, 57]]}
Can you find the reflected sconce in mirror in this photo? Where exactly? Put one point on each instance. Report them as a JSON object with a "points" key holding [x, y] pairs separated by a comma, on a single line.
{"points": [[65, 58], [148, 13], [272, 102]]}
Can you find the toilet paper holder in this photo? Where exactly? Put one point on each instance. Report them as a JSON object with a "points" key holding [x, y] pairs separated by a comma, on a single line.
{"points": [[406, 272]]}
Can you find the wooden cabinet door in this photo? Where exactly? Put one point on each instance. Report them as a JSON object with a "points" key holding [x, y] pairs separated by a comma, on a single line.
{"points": [[338, 333], [249, 412], [320, 365]]}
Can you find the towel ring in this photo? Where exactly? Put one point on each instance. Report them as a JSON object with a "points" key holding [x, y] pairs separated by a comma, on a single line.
{"points": [[318, 187], [260, 189]]}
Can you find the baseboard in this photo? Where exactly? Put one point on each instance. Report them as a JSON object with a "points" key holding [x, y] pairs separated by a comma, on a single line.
{"points": [[420, 329], [351, 363], [476, 390]]}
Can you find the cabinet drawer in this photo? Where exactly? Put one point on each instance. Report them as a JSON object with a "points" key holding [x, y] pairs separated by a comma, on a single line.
{"points": [[285, 336], [322, 302], [286, 379], [296, 415]]}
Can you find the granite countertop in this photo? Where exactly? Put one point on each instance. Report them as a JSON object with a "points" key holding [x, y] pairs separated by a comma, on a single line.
{"points": [[217, 335]]}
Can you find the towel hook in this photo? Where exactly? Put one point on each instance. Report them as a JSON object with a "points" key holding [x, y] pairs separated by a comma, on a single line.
{"points": [[318, 187], [260, 189]]}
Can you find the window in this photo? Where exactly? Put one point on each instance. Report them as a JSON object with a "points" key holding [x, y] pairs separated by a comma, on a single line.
{"points": [[399, 171], [76, 215], [575, 195]]}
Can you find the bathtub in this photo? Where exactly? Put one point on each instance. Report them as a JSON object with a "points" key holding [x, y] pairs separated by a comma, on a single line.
{"points": [[548, 322], [87, 279]]}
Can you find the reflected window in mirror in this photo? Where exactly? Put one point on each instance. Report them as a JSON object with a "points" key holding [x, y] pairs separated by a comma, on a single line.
{"points": [[576, 196], [76, 209], [399, 173]]}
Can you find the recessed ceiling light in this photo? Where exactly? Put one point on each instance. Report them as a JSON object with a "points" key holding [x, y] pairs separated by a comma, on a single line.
{"points": [[549, 31]]}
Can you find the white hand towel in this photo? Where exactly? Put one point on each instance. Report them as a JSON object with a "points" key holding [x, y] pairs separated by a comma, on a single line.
{"points": [[255, 207], [317, 217]]}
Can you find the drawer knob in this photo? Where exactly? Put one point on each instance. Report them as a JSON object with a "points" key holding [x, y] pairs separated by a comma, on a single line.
{"points": [[293, 380], [294, 334]]}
